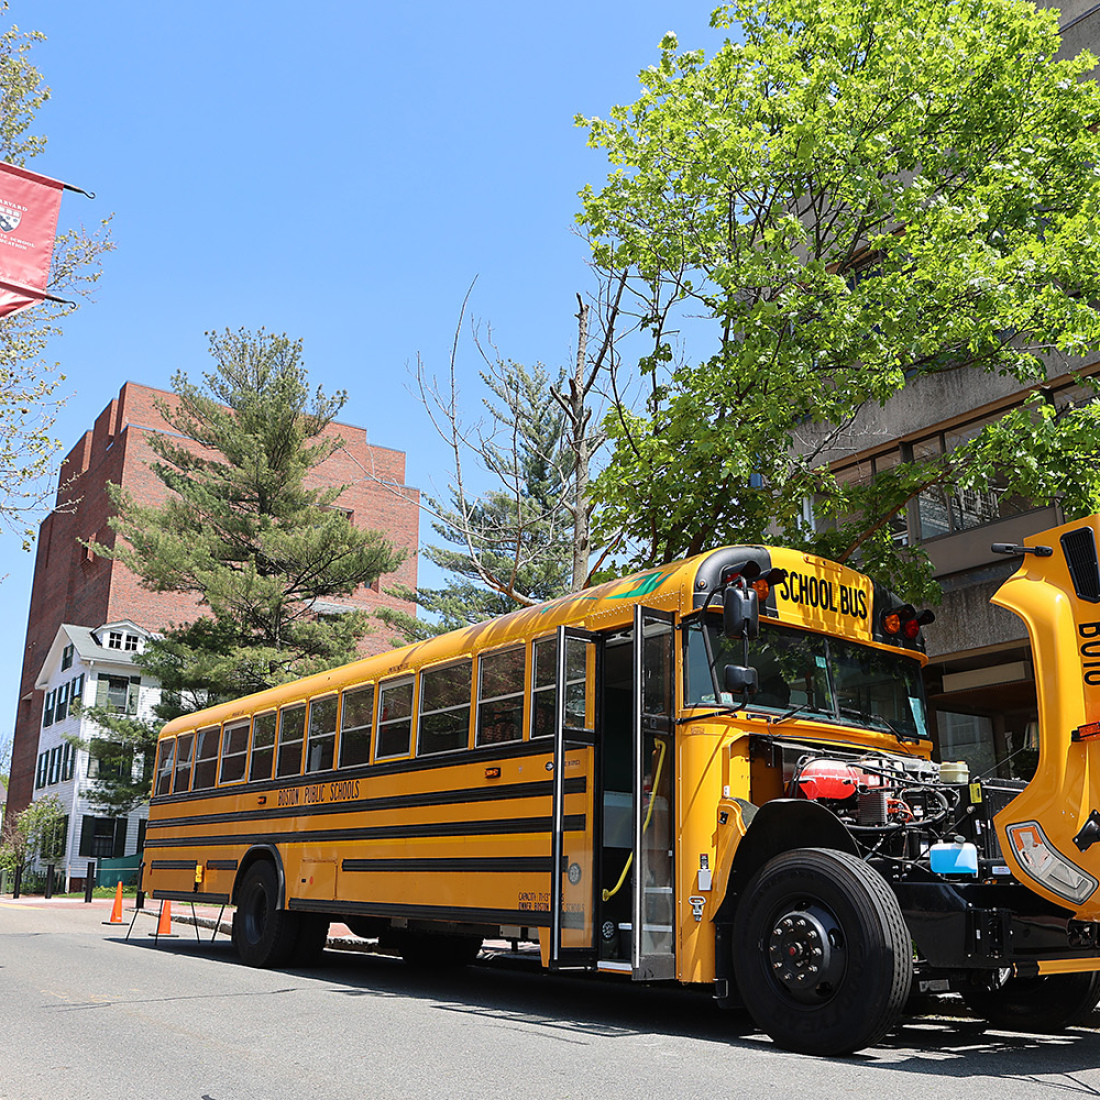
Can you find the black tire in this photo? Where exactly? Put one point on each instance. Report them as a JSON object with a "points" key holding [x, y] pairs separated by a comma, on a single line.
{"points": [[312, 939], [432, 951], [1049, 1003], [263, 935], [821, 952]]}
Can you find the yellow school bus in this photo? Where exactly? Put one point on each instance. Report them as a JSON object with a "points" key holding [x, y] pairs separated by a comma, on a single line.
{"points": [[717, 772]]}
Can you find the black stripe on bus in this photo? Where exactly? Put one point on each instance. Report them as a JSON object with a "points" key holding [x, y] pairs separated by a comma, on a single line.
{"points": [[523, 918], [222, 864], [574, 823], [507, 792], [485, 754], [173, 865], [469, 865]]}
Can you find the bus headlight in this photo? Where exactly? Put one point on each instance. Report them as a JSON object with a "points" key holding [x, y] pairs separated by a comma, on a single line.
{"points": [[1044, 863]]}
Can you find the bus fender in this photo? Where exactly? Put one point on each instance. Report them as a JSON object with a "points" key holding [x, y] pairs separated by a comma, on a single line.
{"points": [[779, 826], [253, 855]]}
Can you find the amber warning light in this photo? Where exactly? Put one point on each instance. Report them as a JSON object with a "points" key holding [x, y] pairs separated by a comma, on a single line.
{"points": [[1088, 732]]}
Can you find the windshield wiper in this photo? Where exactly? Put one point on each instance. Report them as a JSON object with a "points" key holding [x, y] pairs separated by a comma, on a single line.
{"points": [[791, 713], [868, 717]]}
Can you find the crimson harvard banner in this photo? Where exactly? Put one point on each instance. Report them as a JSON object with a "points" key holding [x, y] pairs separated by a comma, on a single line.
{"points": [[29, 206]]}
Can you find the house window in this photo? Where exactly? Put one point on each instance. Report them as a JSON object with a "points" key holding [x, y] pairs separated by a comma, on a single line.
{"points": [[130, 642], [114, 639], [43, 770], [109, 760], [103, 837], [67, 658], [67, 754], [76, 691], [119, 694], [51, 703], [62, 703], [55, 766]]}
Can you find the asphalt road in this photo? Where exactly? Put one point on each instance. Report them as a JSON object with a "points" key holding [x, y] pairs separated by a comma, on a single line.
{"points": [[84, 1014]]}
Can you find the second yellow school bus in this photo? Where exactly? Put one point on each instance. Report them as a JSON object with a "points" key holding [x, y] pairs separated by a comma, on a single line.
{"points": [[717, 772]]}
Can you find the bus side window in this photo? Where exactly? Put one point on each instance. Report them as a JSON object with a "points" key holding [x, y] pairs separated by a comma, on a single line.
{"points": [[500, 697], [263, 747], [356, 718], [183, 763], [206, 758], [234, 752], [445, 709], [292, 728], [166, 757], [321, 746], [394, 720]]}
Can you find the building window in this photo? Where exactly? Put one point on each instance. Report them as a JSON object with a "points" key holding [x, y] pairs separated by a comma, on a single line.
{"points": [[130, 642], [43, 770], [51, 703], [119, 694], [62, 703], [67, 658], [114, 639], [67, 755], [76, 691], [103, 837], [55, 766], [109, 760]]}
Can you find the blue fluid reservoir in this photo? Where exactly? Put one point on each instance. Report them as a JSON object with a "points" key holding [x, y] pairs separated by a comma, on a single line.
{"points": [[957, 858]]}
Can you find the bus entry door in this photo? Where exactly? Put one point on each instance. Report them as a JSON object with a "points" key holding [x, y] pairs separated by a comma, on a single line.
{"points": [[653, 942], [572, 875]]}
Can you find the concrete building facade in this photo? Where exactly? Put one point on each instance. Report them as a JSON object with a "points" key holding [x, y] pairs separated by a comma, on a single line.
{"points": [[72, 586]]}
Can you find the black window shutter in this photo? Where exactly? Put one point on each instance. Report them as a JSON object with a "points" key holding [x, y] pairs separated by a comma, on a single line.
{"points": [[87, 835], [120, 837]]}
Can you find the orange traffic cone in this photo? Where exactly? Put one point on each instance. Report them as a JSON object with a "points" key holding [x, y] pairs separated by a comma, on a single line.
{"points": [[164, 925], [116, 911]]}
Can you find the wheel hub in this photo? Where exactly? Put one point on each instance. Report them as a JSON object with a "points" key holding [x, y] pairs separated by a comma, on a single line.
{"points": [[806, 953]]}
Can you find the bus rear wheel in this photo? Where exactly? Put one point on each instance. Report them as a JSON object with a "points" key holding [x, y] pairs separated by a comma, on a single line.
{"points": [[263, 935], [821, 952], [1047, 1003]]}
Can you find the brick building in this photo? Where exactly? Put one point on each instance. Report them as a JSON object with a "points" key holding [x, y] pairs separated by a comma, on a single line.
{"points": [[73, 587]]}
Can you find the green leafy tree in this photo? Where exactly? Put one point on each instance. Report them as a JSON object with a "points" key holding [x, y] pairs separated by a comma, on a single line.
{"points": [[28, 382], [35, 834], [244, 533], [850, 197]]}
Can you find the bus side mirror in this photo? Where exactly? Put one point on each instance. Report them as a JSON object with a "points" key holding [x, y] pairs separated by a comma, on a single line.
{"points": [[740, 612], [740, 679]]}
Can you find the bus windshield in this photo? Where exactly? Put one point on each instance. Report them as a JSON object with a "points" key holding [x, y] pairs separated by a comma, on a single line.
{"points": [[821, 676]]}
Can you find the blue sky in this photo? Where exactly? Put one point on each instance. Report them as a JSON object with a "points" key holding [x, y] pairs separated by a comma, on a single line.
{"points": [[340, 173]]}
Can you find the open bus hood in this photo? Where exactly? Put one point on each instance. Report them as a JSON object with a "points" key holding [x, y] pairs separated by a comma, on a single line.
{"points": [[1050, 833]]}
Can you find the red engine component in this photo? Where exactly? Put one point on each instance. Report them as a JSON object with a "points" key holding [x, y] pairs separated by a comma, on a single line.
{"points": [[833, 779]]}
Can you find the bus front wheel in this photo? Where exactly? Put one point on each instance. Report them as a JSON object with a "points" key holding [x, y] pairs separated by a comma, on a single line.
{"points": [[821, 952], [263, 935]]}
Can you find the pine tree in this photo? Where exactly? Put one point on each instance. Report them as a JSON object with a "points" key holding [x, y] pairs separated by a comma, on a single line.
{"points": [[243, 533]]}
